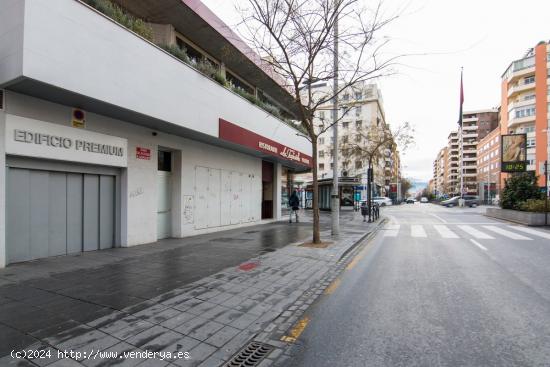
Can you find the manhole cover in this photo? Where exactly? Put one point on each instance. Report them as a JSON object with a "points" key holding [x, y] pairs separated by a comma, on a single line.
{"points": [[251, 355]]}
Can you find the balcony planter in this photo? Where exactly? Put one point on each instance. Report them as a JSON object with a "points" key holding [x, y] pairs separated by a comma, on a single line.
{"points": [[516, 216]]}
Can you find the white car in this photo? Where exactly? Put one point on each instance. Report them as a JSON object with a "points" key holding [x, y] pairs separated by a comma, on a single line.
{"points": [[423, 199], [382, 201]]}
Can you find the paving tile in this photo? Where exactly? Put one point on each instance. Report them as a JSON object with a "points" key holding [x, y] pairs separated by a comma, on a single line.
{"points": [[177, 320], [223, 336], [201, 308], [103, 360], [197, 355], [147, 336], [228, 316], [186, 305], [244, 321], [214, 312], [189, 326], [206, 330]]}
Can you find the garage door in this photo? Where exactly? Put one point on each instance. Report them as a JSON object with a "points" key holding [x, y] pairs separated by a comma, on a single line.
{"points": [[55, 213]]}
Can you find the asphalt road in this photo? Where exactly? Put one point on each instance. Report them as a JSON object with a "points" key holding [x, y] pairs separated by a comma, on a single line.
{"points": [[436, 287]]}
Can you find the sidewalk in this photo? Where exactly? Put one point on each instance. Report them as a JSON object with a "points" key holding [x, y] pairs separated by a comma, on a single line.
{"points": [[206, 295]]}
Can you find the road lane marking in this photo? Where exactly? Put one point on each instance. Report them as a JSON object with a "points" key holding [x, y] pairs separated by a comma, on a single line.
{"points": [[332, 287], [508, 234], [532, 231], [476, 233], [444, 231], [296, 331], [478, 244], [391, 230], [418, 231], [438, 217]]}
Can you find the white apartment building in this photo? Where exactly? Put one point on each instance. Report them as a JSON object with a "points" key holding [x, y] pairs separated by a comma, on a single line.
{"points": [[108, 140]]}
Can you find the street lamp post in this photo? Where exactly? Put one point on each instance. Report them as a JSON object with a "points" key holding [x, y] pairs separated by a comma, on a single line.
{"points": [[335, 207]]}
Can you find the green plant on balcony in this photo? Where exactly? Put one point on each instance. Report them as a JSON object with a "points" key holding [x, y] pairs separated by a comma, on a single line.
{"points": [[121, 16]]}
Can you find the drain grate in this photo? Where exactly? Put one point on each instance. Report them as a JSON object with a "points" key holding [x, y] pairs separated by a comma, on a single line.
{"points": [[251, 355]]}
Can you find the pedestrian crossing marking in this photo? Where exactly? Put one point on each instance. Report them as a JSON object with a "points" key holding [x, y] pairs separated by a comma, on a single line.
{"points": [[506, 233], [391, 230], [444, 231], [532, 231], [418, 231], [475, 232]]}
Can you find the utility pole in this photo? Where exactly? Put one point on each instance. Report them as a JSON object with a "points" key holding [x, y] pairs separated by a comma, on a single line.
{"points": [[335, 207]]}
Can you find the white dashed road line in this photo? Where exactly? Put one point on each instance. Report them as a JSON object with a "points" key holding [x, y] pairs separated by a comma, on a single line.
{"points": [[478, 244]]}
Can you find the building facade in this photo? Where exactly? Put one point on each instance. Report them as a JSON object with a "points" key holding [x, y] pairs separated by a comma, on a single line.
{"points": [[112, 141], [361, 108], [488, 166], [475, 126], [440, 178], [453, 164], [524, 102]]}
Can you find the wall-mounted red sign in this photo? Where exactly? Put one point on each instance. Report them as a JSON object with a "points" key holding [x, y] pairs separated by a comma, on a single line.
{"points": [[236, 134], [143, 153]]}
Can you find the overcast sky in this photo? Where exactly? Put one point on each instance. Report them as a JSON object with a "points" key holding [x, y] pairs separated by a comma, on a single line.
{"points": [[483, 36]]}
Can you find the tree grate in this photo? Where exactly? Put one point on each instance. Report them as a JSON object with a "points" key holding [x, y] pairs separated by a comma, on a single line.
{"points": [[251, 355]]}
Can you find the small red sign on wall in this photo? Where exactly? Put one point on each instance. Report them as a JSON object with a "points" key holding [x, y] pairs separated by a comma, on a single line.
{"points": [[143, 153]]}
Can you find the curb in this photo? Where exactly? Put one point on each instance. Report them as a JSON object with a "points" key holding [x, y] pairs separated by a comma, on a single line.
{"points": [[366, 236]]}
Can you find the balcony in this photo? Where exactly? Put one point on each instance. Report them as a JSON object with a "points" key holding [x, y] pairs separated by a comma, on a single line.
{"points": [[521, 72], [75, 55], [469, 128], [520, 88], [521, 120], [469, 135]]}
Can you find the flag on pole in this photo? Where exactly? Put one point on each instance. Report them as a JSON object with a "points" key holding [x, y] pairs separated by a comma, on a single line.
{"points": [[461, 99]]}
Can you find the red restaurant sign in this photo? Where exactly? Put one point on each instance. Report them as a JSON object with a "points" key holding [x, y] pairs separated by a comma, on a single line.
{"points": [[236, 134]]}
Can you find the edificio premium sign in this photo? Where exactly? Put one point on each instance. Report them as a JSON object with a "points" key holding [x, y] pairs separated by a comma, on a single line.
{"points": [[66, 143], [33, 138]]}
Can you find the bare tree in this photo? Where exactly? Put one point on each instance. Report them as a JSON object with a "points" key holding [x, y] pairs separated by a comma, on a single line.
{"points": [[373, 142], [296, 38]]}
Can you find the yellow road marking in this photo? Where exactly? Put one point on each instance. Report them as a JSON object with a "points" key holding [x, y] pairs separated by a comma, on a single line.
{"points": [[332, 287], [296, 331]]}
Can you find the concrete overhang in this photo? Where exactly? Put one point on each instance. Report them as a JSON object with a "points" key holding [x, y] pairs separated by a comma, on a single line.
{"points": [[37, 89], [200, 25]]}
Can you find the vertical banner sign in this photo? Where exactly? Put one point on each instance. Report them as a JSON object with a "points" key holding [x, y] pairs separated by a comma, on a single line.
{"points": [[78, 119], [513, 153]]}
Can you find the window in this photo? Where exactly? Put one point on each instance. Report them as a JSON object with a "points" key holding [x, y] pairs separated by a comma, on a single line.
{"points": [[322, 115], [1, 99], [358, 164], [321, 153], [531, 143], [345, 124], [529, 79], [529, 97], [358, 124], [346, 97], [321, 140], [192, 52], [358, 138], [358, 95], [321, 166], [522, 112], [164, 161], [332, 166], [344, 139], [345, 164], [358, 111]]}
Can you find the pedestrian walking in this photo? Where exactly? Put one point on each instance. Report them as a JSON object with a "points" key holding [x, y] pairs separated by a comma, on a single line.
{"points": [[364, 210], [294, 204]]}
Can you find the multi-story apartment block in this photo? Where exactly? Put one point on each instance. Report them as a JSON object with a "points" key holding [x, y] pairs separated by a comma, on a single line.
{"points": [[114, 137], [440, 177], [453, 164], [488, 166], [361, 108], [475, 126], [525, 97]]}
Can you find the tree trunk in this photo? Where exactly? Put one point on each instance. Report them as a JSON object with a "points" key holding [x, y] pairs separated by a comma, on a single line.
{"points": [[316, 222]]}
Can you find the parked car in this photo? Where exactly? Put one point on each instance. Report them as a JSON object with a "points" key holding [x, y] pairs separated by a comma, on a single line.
{"points": [[423, 199], [382, 201], [410, 200], [449, 203], [469, 200]]}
